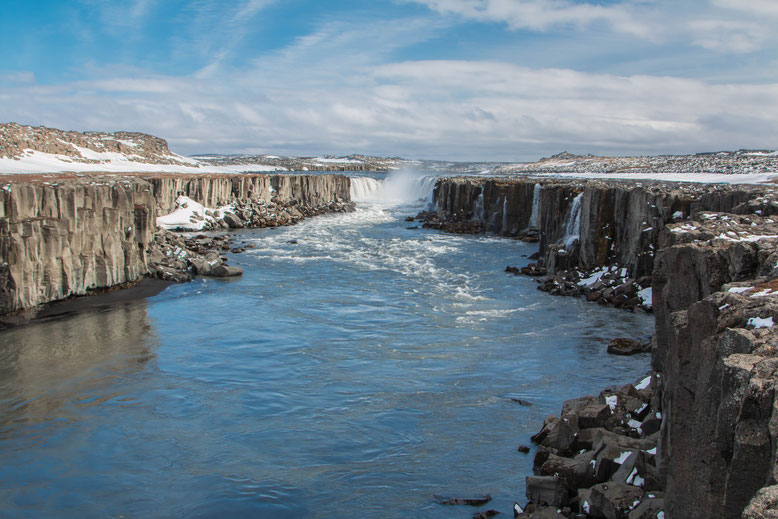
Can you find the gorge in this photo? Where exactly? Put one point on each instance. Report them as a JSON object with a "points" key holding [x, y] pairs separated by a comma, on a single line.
{"points": [[676, 247]]}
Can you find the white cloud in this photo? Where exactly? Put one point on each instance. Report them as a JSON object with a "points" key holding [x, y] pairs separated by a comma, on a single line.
{"points": [[445, 109], [728, 36], [543, 15], [757, 8]]}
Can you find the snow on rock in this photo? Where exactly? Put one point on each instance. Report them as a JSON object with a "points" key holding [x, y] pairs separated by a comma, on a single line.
{"points": [[758, 322], [190, 216], [646, 295], [644, 383], [622, 457]]}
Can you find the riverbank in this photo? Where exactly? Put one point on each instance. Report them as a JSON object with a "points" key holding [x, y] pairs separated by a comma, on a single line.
{"points": [[711, 254], [63, 237]]}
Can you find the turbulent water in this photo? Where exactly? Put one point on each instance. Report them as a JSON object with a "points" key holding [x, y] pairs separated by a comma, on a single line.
{"points": [[357, 369]]}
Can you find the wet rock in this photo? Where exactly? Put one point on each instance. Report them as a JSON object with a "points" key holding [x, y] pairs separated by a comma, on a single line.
{"points": [[623, 346], [512, 270], [519, 401], [486, 514], [463, 501], [523, 449], [224, 271]]}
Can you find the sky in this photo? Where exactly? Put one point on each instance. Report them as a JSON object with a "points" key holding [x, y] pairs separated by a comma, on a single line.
{"points": [[481, 80]]}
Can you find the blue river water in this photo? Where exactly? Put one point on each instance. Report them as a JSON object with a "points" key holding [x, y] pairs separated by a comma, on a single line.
{"points": [[358, 372]]}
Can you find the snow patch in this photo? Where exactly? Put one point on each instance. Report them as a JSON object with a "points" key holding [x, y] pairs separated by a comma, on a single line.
{"points": [[758, 322]]}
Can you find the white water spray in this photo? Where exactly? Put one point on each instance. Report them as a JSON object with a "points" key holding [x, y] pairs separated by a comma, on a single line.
{"points": [[399, 187], [573, 225], [478, 208], [505, 214], [533, 220]]}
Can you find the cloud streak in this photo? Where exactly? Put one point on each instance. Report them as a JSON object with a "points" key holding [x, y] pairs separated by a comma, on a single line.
{"points": [[426, 109]]}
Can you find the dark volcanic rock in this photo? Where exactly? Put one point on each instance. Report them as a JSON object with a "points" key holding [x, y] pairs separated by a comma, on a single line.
{"points": [[622, 346]]}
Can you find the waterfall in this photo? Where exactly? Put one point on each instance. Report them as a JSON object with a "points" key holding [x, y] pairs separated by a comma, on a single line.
{"points": [[399, 187], [478, 209], [573, 224], [533, 220], [364, 188], [505, 215]]}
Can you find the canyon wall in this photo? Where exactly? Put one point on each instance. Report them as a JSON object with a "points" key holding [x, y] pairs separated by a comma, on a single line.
{"points": [[583, 224], [715, 302], [67, 237], [712, 253]]}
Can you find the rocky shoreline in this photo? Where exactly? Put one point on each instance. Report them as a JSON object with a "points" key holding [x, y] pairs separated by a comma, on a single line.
{"points": [[696, 438]]}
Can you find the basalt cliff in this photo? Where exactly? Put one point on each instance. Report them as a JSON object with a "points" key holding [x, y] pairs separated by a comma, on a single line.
{"points": [[63, 237], [697, 438]]}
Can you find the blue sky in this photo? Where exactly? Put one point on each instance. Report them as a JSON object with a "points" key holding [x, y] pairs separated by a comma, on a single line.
{"points": [[452, 79]]}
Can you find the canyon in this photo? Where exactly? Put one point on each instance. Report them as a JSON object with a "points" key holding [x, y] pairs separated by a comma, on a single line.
{"points": [[703, 258], [709, 254]]}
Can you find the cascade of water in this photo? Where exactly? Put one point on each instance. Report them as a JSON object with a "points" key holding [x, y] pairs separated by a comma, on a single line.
{"points": [[363, 188], [505, 214], [478, 208], [533, 220], [573, 224], [397, 188]]}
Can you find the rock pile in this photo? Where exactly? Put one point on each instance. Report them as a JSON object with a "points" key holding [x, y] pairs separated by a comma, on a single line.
{"points": [[598, 458], [173, 257]]}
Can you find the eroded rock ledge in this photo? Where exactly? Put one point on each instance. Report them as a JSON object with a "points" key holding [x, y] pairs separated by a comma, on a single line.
{"points": [[62, 237]]}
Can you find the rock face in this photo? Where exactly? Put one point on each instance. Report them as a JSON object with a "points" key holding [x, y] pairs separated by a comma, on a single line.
{"points": [[706, 257], [62, 239], [584, 224], [72, 236], [715, 301]]}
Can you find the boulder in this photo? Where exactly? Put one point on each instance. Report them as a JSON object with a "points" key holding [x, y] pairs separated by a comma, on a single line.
{"points": [[593, 415], [577, 471], [547, 490], [649, 508], [224, 271], [614, 500], [233, 221]]}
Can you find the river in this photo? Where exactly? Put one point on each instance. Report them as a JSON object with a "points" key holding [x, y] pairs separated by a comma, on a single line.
{"points": [[357, 369]]}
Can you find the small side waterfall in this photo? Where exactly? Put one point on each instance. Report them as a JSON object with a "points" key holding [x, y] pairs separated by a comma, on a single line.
{"points": [[533, 220], [573, 224], [505, 215], [478, 208]]}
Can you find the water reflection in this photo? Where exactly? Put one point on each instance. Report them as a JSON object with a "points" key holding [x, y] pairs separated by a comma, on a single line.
{"points": [[78, 360]]}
